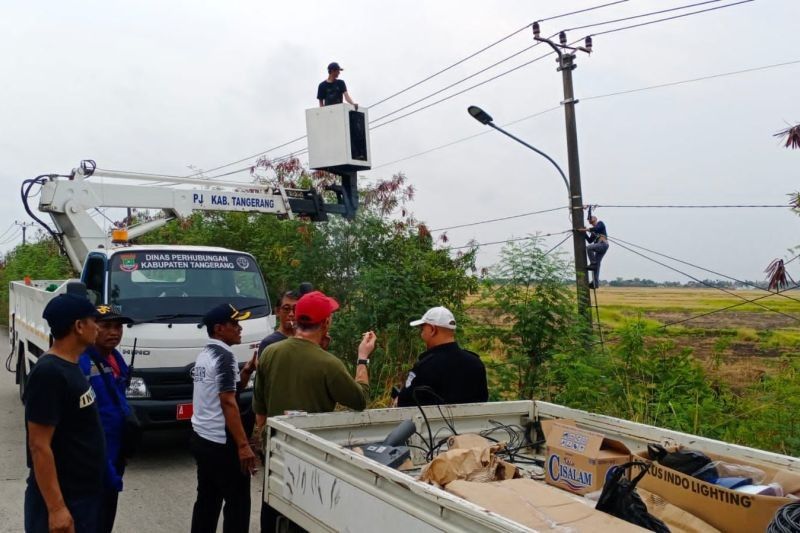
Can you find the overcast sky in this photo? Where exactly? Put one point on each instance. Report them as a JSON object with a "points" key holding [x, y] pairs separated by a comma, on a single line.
{"points": [[158, 86]]}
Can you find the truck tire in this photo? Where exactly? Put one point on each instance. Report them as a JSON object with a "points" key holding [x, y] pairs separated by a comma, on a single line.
{"points": [[22, 372]]}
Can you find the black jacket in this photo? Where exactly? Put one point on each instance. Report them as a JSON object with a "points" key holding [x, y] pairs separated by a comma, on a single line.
{"points": [[454, 375]]}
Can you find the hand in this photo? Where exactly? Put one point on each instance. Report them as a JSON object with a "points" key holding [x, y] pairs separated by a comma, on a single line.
{"points": [[367, 345], [356, 106], [394, 402], [248, 460], [251, 365], [60, 521]]}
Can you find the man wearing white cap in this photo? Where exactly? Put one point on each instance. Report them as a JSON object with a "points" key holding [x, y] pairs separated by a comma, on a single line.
{"points": [[444, 373]]}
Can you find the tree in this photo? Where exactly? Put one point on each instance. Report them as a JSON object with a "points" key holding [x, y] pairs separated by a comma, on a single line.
{"points": [[532, 313]]}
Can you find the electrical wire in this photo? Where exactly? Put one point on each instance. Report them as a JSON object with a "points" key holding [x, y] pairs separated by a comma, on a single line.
{"points": [[682, 15], [786, 520], [692, 80], [704, 269], [479, 244], [695, 206], [12, 238], [726, 291], [633, 17], [479, 222], [414, 85]]}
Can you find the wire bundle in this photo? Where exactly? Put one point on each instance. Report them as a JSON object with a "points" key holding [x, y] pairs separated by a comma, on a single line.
{"points": [[786, 520]]}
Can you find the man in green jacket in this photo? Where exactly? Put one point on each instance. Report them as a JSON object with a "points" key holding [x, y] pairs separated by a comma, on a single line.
{"points": [[298, 374]]}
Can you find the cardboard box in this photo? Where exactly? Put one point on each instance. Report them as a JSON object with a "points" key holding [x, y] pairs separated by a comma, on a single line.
{"points": [[538, 506], [577, 460], [727, 510]]}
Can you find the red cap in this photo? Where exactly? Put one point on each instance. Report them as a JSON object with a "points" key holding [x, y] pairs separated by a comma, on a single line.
{"points": [[314, 307]]}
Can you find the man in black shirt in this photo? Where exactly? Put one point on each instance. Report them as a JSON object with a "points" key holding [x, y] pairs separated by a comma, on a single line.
{"points": [[66, 446], [444, 373], [332, 90], [597, 237]]}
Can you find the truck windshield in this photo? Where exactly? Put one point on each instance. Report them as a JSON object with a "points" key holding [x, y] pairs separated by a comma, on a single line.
{"points": [[180, 287]]}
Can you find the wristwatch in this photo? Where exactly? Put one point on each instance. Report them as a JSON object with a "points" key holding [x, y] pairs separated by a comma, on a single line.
{"points": [[363, 362]]}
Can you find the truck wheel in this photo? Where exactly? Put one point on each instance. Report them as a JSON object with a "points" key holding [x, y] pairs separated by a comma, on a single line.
{"points": [[22, 372]]}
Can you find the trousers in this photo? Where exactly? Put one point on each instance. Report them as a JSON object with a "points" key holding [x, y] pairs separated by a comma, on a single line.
{"points": [[596, 251], [85, 510], [219, 480]]}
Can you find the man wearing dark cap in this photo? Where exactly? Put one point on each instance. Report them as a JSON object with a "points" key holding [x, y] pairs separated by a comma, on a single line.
{"points": [[225, 461], [66, 448], [332, 90], [108, 374], [445, 373], [298, 374]]}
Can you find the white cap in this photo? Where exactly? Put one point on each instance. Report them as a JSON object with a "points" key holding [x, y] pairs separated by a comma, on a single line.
{"points": [[437, 316]]}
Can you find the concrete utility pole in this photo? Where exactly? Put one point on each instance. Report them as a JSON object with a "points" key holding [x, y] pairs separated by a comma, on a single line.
{"points": [[24, 226], [566, 65]]}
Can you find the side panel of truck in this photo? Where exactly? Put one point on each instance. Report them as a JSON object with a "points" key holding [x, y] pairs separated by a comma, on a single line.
{"points": [[317, 446]]}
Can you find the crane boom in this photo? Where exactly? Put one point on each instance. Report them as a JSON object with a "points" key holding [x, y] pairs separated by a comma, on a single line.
{"points": [[70, 201]]}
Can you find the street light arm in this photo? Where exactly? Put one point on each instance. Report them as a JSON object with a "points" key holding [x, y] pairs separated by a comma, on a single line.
{"points": [[504, 132]]}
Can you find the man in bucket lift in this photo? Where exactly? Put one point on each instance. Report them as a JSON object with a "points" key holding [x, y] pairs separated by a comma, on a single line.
{"points": [[597, 238], [332, 90]]}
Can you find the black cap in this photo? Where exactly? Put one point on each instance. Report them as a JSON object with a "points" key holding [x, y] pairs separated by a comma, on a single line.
{"points": [[334, 66], [63, 310], [107, 314], [224, 313]]}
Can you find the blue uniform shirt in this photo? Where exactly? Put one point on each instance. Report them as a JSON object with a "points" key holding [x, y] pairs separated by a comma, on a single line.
{"points": [[112, 412]]}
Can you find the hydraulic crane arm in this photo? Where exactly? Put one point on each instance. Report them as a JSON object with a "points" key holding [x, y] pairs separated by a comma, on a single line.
{"points": [[70, 201]]}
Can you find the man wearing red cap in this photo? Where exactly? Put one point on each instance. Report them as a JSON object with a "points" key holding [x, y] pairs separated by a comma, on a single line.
{"points": [[298, 374]]}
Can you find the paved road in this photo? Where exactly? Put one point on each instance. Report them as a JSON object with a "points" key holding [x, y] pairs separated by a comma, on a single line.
{"points": [[160, 482]]}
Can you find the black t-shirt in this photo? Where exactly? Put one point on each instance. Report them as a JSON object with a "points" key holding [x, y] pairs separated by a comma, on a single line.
{"points": [[454, 375], [272, 338], [58, 394], [331, 93]]}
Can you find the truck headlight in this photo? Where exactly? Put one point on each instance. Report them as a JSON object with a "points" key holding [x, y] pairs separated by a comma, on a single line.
{"points": [[137, 389]]}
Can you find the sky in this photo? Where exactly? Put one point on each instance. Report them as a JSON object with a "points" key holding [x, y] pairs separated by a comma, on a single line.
{"points": [[161, 87]]}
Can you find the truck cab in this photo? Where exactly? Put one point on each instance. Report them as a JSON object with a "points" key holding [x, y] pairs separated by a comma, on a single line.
{"points": [[166, 290]]}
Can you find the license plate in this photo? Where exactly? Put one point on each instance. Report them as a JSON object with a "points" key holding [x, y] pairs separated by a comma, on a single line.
{"points": [[184, 411]]}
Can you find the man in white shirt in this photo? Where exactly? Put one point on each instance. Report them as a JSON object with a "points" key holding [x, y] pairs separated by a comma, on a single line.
{"points": [[225, 460]]}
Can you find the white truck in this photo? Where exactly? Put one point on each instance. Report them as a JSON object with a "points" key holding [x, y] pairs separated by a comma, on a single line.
{"points": [[165, 289], [314, 477]]}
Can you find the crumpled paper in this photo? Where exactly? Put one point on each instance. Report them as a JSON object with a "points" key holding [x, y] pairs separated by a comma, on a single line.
{"points": [[470, 464]]}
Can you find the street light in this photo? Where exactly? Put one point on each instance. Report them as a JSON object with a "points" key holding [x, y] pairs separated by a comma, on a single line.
{"points": [[485, 118], [576, 214]]}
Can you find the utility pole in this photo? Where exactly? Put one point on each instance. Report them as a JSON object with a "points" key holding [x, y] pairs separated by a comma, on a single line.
{"points": [[566, 64], [24, 226]]}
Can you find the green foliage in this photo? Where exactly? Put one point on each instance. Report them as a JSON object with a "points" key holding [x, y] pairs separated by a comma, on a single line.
{"points": [[644, 379], [537, 314], [39, 260]]}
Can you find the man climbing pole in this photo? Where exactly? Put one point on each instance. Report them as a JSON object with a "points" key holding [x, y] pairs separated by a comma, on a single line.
{"points": [[597, 237], [332, 89]]}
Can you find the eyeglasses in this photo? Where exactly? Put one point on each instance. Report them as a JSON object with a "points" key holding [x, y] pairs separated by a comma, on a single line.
{"points": [[286, 308]]}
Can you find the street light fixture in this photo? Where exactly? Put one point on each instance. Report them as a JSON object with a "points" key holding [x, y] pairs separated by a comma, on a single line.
{"points": [[576, 213], [485, 118]]}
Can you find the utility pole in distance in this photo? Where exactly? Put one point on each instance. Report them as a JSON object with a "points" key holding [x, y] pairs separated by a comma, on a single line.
{"points": [[24, 226], [566, 64]]}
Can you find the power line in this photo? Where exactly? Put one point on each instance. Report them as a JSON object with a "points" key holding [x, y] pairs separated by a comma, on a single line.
{"points": [[690, 206], [479, 244], [703, 78], [554, 17], [702, 268], [623, 28], [479, 222], [597, 97], [633, 17], [412, 86], [698, 280]]}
